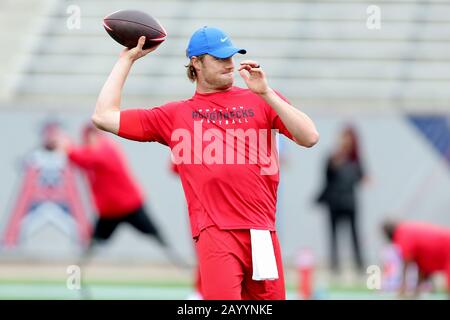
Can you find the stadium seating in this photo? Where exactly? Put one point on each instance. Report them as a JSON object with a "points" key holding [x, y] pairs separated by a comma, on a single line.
{"points": [[316, 52]]}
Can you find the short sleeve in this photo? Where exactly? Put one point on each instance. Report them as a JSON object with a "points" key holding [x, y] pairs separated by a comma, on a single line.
{"points": [[153, 124], [275, 120], [405, 242], [84, 157]]}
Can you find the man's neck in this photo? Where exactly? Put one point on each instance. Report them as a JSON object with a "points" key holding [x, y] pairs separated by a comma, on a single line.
{"points": [[205, 90]]}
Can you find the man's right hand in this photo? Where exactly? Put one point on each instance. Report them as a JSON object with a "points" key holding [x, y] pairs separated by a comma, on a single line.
{"points": [[107, 109], [137, 52]]}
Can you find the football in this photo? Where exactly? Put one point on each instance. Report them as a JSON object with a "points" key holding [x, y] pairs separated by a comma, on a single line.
{"points": [[126, 26]]}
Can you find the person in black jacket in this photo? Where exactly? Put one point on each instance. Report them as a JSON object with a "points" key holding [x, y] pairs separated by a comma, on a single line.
{"points": [[343, 174]]}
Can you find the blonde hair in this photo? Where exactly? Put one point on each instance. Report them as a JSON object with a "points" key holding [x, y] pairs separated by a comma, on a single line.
{"points": [[190, 70]]}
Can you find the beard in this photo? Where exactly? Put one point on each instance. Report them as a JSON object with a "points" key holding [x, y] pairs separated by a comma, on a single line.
{"points": [[220, 81]]}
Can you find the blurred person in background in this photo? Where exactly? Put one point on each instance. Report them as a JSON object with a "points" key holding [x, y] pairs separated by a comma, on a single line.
{"points": [[117, 196], [424, 245], [343, 173], [49, 193]]}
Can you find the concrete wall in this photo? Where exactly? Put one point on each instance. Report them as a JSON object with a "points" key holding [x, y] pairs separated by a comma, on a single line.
{"points": [[406, 176]]}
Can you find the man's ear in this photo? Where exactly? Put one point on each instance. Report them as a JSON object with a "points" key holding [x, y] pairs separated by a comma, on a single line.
{"points": [[196, 63]]}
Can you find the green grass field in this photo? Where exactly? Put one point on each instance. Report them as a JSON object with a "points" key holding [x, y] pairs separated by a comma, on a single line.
{"points": [[35, 290], [36, 281]]}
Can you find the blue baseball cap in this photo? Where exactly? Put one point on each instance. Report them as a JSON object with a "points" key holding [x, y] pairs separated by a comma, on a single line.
{"points": [[212, 41]]}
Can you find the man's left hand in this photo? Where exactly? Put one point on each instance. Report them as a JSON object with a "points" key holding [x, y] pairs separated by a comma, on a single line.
{"points": [[254, 76]]}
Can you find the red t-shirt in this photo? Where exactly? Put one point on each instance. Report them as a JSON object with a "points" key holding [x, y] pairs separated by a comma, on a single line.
{"points": [[221, 176], [115, 192], [428, 245]]}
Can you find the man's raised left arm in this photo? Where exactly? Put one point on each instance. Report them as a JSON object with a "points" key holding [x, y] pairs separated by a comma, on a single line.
{"points": [[297, 122]]}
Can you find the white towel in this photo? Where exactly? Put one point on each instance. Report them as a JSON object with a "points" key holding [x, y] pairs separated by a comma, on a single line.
{"points": [[263, 256]]}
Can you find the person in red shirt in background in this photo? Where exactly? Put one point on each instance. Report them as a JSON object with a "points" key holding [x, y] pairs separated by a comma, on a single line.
{"points": [[117, 196], [423, 244], [231, 195]]}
